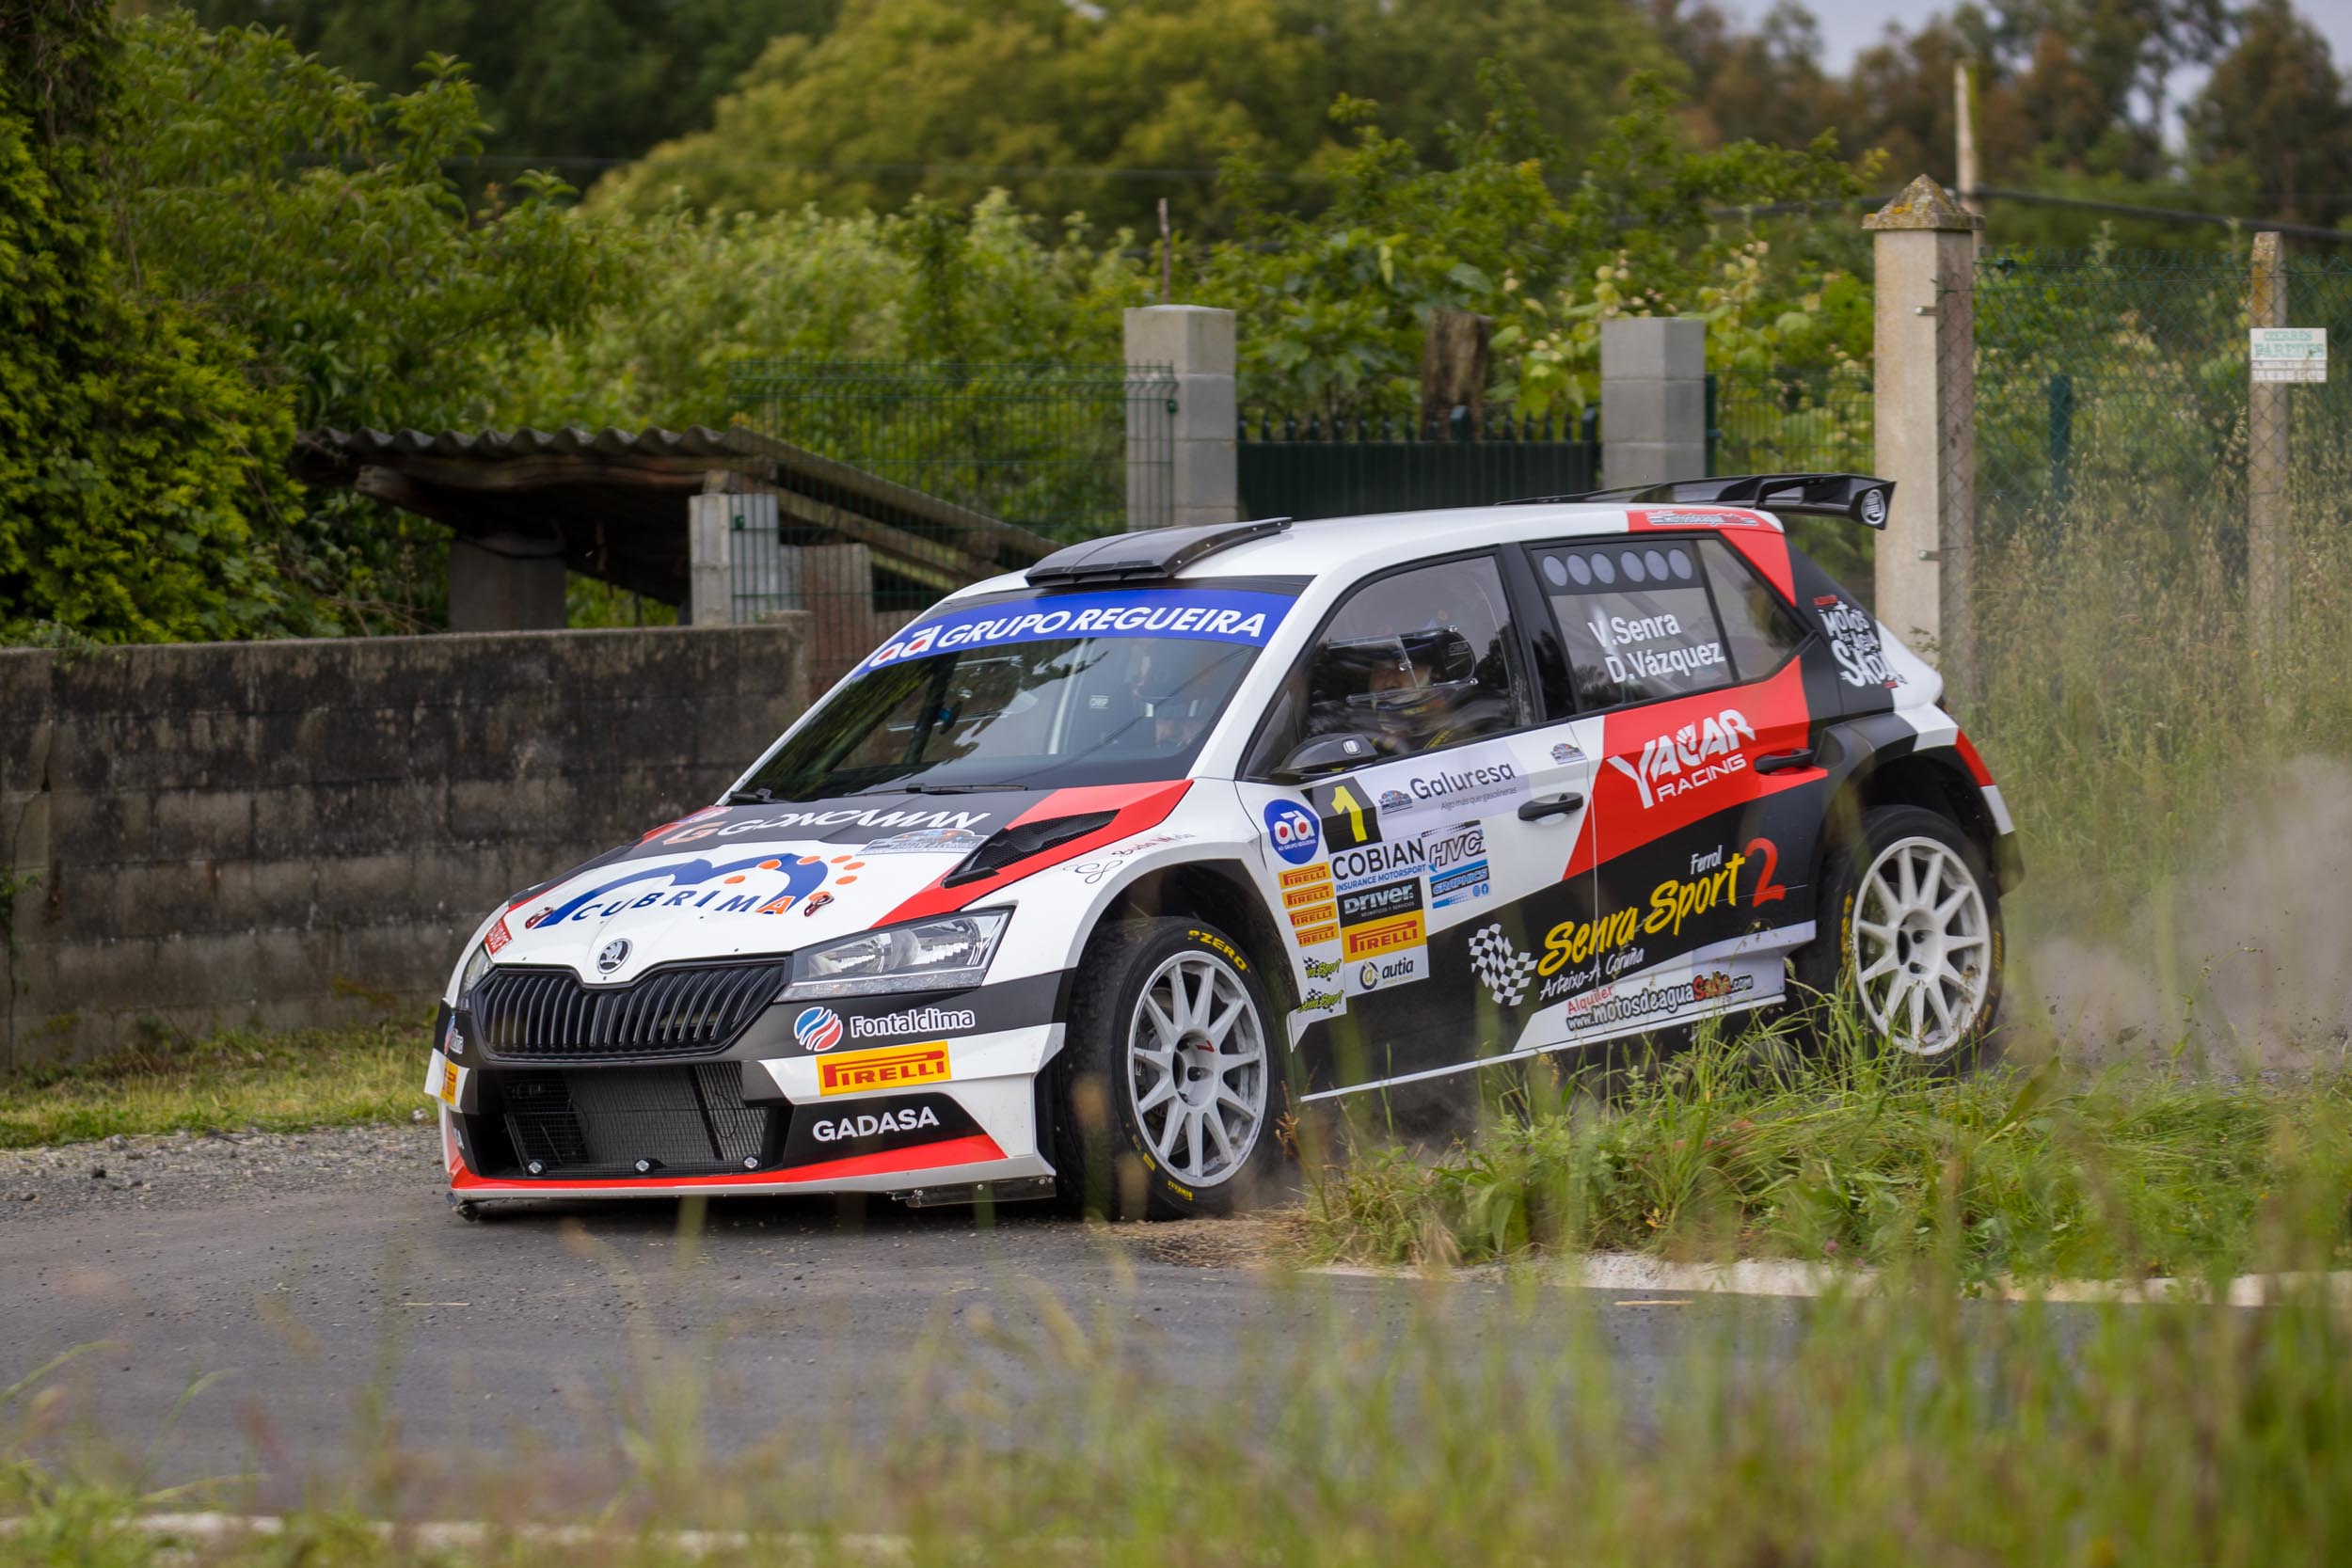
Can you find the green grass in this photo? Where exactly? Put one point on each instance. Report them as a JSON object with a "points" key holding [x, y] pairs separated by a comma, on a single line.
{"points": [[1861, 1156], [371, 1072]]}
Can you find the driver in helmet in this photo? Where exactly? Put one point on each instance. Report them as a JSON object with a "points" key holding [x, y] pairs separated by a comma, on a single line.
{"points": [[1410, 692]]}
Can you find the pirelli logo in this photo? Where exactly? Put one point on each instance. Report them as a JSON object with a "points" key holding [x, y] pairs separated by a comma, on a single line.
{"points": [[1317, 875], [1310, 935], [1299, 897], [1385, 935], [901, 1067]]}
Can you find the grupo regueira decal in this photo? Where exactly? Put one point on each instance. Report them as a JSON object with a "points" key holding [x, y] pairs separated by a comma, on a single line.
{"points": [[1200, 614]]}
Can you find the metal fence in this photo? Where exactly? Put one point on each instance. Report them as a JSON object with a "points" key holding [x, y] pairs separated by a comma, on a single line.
{"points": [[1313, 469], [1064, 450], [1787, 420]]}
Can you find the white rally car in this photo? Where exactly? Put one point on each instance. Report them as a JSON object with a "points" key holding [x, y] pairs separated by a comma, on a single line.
{"points": [[1079, 881]]}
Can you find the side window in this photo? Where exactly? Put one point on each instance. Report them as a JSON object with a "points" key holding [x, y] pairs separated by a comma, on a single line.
{"points": [[1413, 661], [1635, 618], [1757, 628]]}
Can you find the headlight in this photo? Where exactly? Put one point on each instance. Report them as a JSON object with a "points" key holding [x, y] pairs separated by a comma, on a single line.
{"points": [[925, 954], [476, 967]]}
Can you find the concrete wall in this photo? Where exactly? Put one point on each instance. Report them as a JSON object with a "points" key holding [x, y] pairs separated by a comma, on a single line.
{"points": [[302, 833]]}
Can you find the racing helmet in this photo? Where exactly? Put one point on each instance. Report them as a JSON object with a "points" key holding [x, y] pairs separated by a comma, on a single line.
{"points": [[1398, 681]]}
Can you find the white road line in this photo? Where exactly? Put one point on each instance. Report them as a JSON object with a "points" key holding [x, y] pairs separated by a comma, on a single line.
{"points": [[1622, 1271]]}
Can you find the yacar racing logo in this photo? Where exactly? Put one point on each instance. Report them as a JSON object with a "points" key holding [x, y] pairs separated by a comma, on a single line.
{"points": [[1694, 754]]}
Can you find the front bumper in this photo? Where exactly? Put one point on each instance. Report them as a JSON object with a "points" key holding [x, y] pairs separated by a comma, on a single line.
{"points": [[868, 1115]]}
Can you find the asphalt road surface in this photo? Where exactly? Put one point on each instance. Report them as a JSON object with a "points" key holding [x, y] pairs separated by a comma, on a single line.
{"points": [[341, 1310]]}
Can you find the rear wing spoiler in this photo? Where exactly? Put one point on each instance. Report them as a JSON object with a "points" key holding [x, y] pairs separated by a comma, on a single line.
{"points": [[1857, 498]]}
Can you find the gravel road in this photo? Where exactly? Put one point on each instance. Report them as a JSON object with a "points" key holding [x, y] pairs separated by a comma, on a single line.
{"points": [[306, 1270]]}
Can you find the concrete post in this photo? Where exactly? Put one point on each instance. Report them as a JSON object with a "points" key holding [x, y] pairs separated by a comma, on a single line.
{"points": [[2267, 459], [1203, 476], [506, 582], [710, 559], [1653, 400], [1925, 389]]}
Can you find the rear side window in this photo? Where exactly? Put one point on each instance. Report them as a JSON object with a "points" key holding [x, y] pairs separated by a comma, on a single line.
{"points": [[1635, 619], [1759, 631]]}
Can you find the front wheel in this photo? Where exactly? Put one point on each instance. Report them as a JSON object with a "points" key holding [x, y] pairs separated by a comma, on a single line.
{"points": [[1916, 943], [1167, 1087]]}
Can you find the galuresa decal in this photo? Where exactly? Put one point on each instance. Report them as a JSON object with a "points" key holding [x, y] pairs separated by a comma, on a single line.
{"points": [[1200, 614]]}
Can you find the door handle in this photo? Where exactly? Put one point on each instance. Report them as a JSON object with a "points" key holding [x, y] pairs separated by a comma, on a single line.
{"points": [[1780, 762], [1559, 805]]}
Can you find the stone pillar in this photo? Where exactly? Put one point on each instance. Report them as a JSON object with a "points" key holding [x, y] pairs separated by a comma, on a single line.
{"points": [[1202, 482], [1925, 389], [506, 582], [1653, 400]]}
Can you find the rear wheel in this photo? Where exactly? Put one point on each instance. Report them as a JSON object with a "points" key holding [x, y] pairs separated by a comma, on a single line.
{"points": [[1166, 1088], [1914, 936]]}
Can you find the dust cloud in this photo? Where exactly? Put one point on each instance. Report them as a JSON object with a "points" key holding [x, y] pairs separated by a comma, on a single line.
{"points": [[2242, 963]]}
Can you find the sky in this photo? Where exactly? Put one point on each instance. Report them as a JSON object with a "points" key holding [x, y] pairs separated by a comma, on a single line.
{"points": [[1849, 24]]}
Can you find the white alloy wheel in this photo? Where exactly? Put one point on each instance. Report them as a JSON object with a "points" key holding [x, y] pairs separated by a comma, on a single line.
{"points": [[1197, 1069], [1922, 945]]}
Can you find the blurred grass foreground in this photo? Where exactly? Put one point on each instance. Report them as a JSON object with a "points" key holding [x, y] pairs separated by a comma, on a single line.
{"points": [[1907, 1425]]}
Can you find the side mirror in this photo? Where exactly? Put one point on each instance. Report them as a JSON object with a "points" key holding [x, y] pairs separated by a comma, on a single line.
{"points": [[1330, 754]]}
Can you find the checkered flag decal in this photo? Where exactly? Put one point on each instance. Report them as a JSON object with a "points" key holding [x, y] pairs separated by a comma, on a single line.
{"points": [[1502, 967]]}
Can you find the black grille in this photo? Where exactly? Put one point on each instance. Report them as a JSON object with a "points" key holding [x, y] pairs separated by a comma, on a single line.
{"points": [[547, 1015], [683, 1120]]}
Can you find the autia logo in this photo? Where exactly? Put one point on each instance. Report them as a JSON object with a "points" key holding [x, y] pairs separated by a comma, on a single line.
{"points": [[1291, 828], [1694, 754], [818, 1029]]}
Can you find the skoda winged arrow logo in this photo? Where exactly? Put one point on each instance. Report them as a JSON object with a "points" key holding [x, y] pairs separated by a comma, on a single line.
{"points": [[613, 954]]}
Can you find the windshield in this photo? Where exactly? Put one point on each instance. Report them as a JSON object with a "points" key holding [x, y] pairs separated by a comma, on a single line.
{"points": [[1001, 696]]}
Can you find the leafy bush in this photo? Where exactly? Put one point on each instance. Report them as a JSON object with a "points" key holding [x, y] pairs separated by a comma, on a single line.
{"points": [[140, 472]]}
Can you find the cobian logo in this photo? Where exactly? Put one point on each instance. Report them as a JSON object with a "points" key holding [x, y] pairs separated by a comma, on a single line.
{"points": [[903, 1067], [818, 1029]]}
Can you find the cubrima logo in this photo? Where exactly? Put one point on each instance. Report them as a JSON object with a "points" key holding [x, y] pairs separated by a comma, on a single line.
{"points": [[1292, 828], [613, 954], [818, 1029]]}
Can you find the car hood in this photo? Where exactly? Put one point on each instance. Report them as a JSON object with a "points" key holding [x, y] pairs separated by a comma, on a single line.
{"points": [[741, 880]]}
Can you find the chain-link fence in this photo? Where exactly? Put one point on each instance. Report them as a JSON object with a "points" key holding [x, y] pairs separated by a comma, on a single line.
{"points": [[2129, 373]]}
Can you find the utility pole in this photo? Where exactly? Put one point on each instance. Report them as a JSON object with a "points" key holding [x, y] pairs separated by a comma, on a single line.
{"points": [[2266, 458], [1168, 254], [1964, 131]]}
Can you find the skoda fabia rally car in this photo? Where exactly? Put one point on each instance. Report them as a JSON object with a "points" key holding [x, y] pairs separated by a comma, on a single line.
{"points": [[1084, 879]]}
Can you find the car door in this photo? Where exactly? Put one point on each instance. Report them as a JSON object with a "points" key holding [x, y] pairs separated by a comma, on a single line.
{"points": [[1446, 814], [1703, 817]]}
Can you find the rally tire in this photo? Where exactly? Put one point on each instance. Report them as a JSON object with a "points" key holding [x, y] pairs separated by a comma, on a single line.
{"points": [[1168, 1089], [1909, 941]]}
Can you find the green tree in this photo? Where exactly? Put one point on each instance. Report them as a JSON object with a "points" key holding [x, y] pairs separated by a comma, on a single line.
{"points": [[2277, 111], [1103, 109], [139, 470], [565, 84], [291, 204]]}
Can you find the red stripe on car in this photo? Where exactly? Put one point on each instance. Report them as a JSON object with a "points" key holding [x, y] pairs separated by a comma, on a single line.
{"points": [[974, 1149], [1977, 769], [1140, 808]]}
